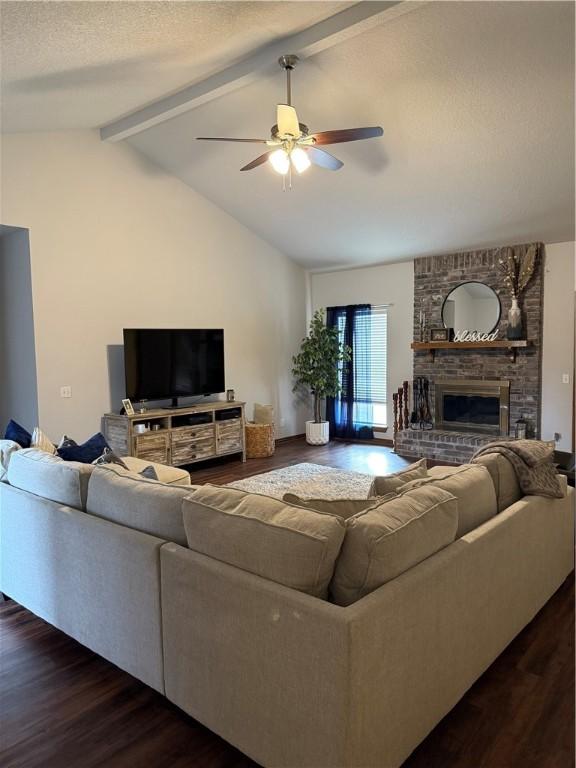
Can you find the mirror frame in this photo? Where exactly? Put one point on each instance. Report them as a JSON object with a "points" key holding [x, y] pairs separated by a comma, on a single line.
{"points": [[467, 282]]}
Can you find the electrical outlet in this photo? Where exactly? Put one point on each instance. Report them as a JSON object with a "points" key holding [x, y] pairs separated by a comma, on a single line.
{"points": [[282, 421], [65, 391], [565, 378]]}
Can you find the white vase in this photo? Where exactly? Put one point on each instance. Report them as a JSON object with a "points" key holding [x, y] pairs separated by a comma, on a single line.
{"points": [[514, 329], [317, 433]]}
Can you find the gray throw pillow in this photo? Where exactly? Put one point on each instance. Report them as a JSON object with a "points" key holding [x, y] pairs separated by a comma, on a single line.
{"points": [[148, 472], [343, 508], [386, 484], [109, 457], [392, 537]]}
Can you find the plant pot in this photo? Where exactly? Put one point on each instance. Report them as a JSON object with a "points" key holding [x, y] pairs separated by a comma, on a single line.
{"points": [[317, 433]]}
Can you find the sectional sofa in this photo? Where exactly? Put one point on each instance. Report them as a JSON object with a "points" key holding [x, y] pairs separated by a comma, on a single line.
{"points": [[220, 600]]}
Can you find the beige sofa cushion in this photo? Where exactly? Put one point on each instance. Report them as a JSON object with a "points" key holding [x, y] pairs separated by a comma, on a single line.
{"points": [[167, 475], [290, 545], [385, 484], [504, 478], [391, 537], [343, 508], [144, 505], [43, 474], [472, 486]]}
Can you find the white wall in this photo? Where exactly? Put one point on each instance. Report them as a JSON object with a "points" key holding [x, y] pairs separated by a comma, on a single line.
{"points": [[116, 242], [387, 284], [18, 391], [558, 346]]}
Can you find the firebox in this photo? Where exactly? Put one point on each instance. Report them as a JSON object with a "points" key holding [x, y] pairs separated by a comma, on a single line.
{"points": [[468, 405]]}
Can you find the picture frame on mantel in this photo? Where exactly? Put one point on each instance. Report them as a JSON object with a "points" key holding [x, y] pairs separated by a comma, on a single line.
{"points": [[441, 334]]}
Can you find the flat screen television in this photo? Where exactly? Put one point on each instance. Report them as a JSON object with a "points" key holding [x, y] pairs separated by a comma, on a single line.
{"points": [[171, 363]]}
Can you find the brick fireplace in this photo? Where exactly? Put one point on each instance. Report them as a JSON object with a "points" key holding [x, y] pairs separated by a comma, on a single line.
{"points": [[515, 384]]}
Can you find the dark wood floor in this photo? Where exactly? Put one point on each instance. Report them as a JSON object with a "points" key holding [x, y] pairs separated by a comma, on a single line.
{"points": [[63, 706]]}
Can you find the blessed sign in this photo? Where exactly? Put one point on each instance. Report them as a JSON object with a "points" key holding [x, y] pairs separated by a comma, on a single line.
{"points": [[475, 336]]}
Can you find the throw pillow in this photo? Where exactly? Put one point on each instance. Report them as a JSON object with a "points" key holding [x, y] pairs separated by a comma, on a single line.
{"points": [[392, 537], [40, 441], [472, 485], [286, 544], [7, 448], [148, 472], [109, 457], [87, 452], [386, 484], [344, 508], [18, 434], [66, 442], [263, 414]]}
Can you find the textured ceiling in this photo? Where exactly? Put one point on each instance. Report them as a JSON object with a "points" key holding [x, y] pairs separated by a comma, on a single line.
{"points": [[476, 101], [80, 64], [477, 105]]}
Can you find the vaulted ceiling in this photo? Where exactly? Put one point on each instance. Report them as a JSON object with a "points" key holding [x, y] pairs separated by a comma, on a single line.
{"points": [[476, 100]]}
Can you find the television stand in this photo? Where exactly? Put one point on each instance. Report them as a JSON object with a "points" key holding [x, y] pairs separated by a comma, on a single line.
{"points": [[181, 435]]}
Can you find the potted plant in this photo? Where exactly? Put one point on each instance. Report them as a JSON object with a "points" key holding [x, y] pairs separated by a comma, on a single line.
{"points": [[315, 368]]}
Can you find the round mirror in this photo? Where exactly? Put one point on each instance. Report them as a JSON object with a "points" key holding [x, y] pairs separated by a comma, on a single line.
{"points": [[471, 307]]}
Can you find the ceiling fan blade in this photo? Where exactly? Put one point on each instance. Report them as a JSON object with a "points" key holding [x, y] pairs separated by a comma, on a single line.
{"points": [[347, 134], [323, 159], [258, 161], [249, 141], [287, 121]]}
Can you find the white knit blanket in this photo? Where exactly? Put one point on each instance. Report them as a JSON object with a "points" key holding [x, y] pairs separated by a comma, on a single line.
{"points": [[308, 481]]}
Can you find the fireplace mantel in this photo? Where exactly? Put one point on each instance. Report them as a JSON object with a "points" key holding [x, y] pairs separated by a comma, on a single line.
{"points": [[432, 346]]}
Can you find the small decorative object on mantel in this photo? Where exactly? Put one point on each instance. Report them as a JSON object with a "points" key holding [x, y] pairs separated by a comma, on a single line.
{"points": [[441, 334], [471, 336], [230, 395], [518, 271]]}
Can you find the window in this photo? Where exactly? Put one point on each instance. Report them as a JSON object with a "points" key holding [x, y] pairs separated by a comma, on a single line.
{"points": [[378, 359], [367, 335]]}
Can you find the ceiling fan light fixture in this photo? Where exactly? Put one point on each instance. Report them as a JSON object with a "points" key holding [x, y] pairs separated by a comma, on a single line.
{"points": [[280, 161], [300, 159]]}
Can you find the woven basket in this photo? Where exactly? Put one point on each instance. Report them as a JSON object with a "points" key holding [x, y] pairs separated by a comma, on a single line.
{"points": [[260, 440]]}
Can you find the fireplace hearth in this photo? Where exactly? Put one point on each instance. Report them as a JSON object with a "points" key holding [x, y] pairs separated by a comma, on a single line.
{"points": [[470, 405]]}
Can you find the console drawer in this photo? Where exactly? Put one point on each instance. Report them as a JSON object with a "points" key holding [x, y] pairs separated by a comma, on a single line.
{"points": [[152, 448], [199, 432], [186, 451]]}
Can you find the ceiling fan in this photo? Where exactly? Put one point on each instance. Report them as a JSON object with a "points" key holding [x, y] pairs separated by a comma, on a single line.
{"points": [[291, 144]]}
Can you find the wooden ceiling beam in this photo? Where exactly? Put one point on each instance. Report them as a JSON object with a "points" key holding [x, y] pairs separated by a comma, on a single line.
{"points": [[337, 28]]}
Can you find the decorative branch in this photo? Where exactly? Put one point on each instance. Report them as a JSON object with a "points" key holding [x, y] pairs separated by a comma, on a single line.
{"points": [[518, 270]]}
